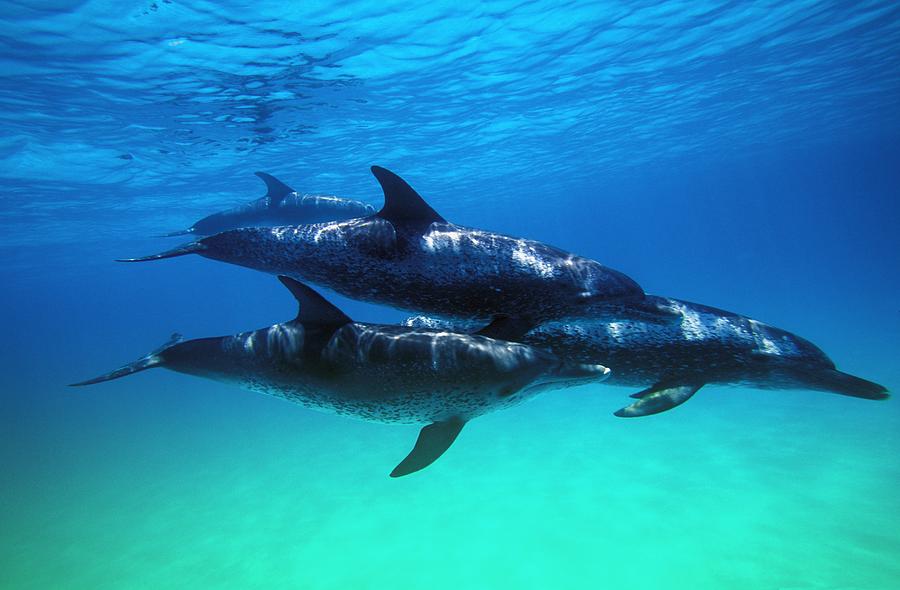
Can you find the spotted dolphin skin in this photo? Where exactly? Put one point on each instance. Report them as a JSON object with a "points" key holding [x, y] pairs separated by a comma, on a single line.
{"points": [[281, 205], [408, 256], [672, 360], [382, 373]]}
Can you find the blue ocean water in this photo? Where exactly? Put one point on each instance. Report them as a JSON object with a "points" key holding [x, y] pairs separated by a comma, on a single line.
{"points": [[739, 155]]}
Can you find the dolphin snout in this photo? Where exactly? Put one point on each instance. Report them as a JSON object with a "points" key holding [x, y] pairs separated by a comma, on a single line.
{"points": [[585, 370], [578, 373], [570, 375], [180, 232]]}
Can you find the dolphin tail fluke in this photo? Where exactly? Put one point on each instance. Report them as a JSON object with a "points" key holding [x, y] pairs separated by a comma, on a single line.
{"points": [[845, 384], [147, 362], [433, 440], [191, 248]]}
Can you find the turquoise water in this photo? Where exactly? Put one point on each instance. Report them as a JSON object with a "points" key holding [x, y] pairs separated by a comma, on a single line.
{"points": [[740, 156]]}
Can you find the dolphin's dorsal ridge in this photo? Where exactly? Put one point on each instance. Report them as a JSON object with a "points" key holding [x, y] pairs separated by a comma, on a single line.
{"points": [[402, 204], [276, 190], [433, 440], [314, 309]]}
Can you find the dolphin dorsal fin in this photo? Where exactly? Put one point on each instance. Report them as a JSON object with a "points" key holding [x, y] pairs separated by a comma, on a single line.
{"points": [[314, 309], [504, 327], [402, 204], [276, 190]]}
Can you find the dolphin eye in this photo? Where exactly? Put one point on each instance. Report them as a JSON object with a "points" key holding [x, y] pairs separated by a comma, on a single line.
{"points": [[507, 391]]}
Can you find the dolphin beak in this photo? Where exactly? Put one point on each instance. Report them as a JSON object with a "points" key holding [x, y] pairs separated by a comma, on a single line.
{"points": [[583, 371], [190, 248], [571, 375], [575, 374], [181, 232]]}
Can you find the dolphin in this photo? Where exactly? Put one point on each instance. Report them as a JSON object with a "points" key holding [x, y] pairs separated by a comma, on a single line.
{"points": [[408, 256], [281, 205], [672, 360], [383, 373]]}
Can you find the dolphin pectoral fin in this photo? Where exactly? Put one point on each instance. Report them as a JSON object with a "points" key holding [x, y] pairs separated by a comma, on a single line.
{"points": [[655, 400], [658, 386], [276, 190], [402, 204], [433, 440]]}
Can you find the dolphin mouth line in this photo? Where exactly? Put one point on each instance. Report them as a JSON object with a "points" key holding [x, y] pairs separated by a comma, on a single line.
{"points": [[180, 232], [594, 371]]}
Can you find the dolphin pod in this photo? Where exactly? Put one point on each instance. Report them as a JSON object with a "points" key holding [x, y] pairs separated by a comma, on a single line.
{"points": [[383, 373], [516, 317], [408, 256], [281, 205], [672, 360]]}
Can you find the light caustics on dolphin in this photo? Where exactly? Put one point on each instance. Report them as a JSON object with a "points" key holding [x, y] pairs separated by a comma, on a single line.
{"points": [[383, 373], [672, 360], [410, 257], [281, 205]]}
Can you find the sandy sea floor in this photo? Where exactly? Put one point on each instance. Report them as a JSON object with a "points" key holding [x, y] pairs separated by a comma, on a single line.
{"points": [[135, 487]]}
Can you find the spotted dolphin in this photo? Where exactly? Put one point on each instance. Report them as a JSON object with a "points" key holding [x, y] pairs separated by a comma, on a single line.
{"points": [[281, 205], [672, 360], [383, 373], [408, 256]]}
